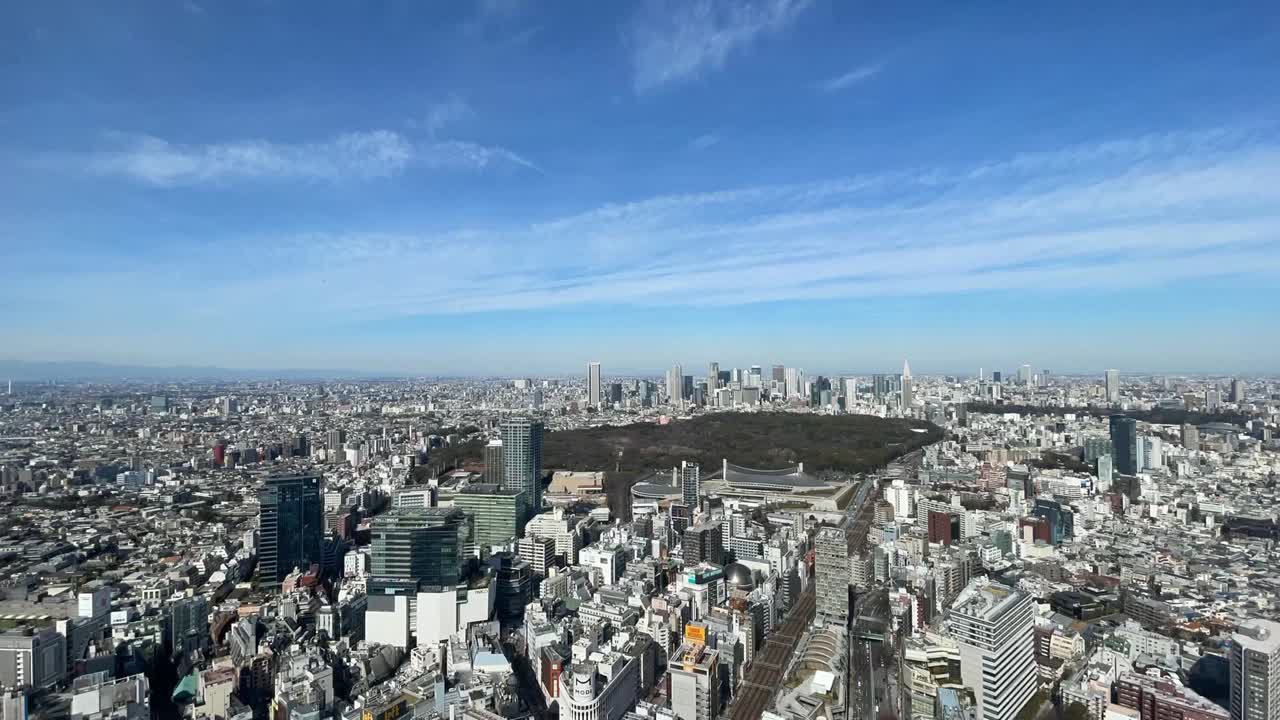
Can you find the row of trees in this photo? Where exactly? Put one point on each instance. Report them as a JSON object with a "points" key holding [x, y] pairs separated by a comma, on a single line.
{"points": [[847, 443]]}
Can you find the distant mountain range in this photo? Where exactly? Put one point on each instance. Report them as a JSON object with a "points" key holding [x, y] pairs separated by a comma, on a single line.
{"points": [[81, 371]]}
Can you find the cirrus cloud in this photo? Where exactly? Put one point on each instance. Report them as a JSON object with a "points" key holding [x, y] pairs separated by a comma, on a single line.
{"points": [[351, 156], [678, 42]]}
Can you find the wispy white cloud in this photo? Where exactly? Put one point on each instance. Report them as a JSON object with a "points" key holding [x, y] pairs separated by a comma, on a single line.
{"points": [[1146, 211], [675, 42], [702, 142], [353, 156], [849, 79], [463, 155]]}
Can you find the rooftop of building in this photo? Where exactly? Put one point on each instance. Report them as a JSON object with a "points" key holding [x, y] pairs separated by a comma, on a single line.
{"points": [[488, 489], [1258, 635], [692, 657], [654, 490], [985, 601]]}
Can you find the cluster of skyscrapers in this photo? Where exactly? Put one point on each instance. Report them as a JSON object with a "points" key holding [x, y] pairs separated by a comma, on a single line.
{"points": [[748, 387], [414, 547]]}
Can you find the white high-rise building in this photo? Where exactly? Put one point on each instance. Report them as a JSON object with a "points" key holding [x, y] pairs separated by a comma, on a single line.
{"points": [[794, 383], [993, 624], [907, 396], [902, 497], [595, 388], [1255, 671], [610, 560], [1113, 386], [560, 528], [1105, 470], [1152, 452], [675, 384]]}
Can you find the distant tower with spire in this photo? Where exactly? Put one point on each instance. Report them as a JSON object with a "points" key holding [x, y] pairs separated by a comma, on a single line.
{"points": [[907, 396]]}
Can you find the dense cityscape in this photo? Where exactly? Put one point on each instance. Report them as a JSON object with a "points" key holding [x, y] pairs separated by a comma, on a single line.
{"points": [[1029, 545]]}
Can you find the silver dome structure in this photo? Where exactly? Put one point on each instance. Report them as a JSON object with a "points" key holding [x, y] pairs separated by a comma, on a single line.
{"points": [[737, 575]]}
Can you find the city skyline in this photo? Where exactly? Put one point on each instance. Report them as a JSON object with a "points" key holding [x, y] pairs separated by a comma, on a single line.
{"points": [[18, 373], [448, 190]]}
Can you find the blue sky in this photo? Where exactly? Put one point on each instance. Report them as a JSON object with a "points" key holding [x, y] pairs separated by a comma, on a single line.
{"points": [[519, 187]]}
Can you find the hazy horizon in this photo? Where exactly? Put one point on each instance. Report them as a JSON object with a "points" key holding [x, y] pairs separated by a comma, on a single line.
{"points": [[90, 371]]}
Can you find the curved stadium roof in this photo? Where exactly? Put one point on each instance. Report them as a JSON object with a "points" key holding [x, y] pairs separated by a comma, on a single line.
{"points": [[786, 479]]}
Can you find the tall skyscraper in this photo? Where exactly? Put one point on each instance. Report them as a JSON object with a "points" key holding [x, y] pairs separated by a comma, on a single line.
{"points": [[795, 383], [493, 462], [1124, 444], [907, 390], [993, 624], [1112, 379], [778, 374], [290, 525], [690, 485], [421, 547], [1024, 374], [850, 392], [595, 387], [713, 378], [881, 386], [522, 462], [831, 573], [675, 384], [1237, 391], [1255, 671]]}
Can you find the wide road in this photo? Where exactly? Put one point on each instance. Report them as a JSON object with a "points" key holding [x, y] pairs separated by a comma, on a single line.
{"points": [[764, 676], [868, 659], [869, 676]]}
